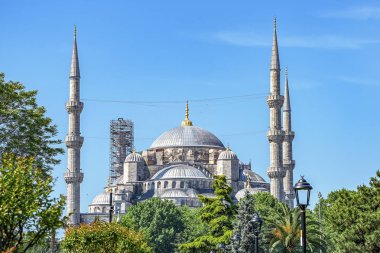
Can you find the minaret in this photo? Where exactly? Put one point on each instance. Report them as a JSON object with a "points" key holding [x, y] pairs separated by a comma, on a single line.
{"points": [[74, 141], [287, 146], [275, 134]]}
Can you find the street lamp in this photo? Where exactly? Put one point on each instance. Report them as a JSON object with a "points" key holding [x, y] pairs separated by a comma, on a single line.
{"points": [[257, 222], [302, 190]]}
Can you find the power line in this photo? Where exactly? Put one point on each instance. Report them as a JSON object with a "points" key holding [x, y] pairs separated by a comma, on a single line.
{"points": [[155, 102], [152, 138]]}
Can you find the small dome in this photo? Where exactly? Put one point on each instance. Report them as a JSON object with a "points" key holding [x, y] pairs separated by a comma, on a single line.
{"points": [[244, 192], [227, 155], [180, 171], [101, 199], [134, 158]]}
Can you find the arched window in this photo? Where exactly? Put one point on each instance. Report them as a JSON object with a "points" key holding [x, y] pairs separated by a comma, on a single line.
{"points": [[182, 185], [166, 184], [158, 184]]}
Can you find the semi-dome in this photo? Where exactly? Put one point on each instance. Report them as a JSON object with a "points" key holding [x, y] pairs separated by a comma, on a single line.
{"points": [[179, 193], [187, 136], [101, 199], [179, 171], [253, 176], [244, 192], [134, 157], [227, 155]]}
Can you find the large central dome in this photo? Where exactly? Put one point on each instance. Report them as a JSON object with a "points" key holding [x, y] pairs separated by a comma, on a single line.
{"points": [[187, 136]]}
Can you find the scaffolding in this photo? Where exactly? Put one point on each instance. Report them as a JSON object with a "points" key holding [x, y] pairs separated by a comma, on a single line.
{"points": [[121, 144]]}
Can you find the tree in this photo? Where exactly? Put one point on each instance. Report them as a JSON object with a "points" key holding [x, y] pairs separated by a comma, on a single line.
{"points": [[285, 232], [27, 212], [24, 128], [352, 218], [218, 213], [102, 237], [159, 220], [193, 226], [243, 226]]}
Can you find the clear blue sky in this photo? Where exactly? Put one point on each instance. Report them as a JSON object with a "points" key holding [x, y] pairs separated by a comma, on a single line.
{"points": [[178, 50]]}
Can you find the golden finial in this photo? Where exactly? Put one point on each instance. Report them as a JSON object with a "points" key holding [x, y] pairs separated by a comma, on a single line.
{"points": [[109, 184], [186, 121]]}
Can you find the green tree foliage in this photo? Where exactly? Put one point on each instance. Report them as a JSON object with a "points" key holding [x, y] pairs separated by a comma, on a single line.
{"points": [[159, 220], [27, 212], [24, 128], [243, 226], [194, 227], [218, 213], [285, 232], [101, 237], [352, 218]]}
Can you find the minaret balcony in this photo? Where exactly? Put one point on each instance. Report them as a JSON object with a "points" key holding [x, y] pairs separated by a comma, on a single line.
{"points": [[73, 177], [275, 101], [74, 141], [289, 164], [276, 172], [289, 136], [74, 106], [275, 136]]}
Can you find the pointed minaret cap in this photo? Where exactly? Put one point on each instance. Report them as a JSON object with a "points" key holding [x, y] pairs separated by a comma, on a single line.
{"points": [[275, 61], [286, 92], [186, 121], [74, 70]]}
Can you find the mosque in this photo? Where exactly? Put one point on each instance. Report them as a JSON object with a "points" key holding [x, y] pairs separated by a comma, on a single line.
{"points": [[181, 162]]}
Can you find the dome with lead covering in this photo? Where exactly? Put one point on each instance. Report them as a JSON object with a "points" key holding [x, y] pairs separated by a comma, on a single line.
{"points": [[179, 193], [187, 136], [246, 191], [227, 155], [134, 157], [179, 171], [253, 176], [101, 199]]}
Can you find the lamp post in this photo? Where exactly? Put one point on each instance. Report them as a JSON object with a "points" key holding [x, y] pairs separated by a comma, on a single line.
{"points": [[111, 208], [320, 218], [302, 190], [257, 222]]}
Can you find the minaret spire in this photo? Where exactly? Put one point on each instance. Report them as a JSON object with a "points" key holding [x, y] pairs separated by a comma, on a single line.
{"points": [[74, 70], [275, 134], [287, 147], [74, 141], [275, 61]]}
